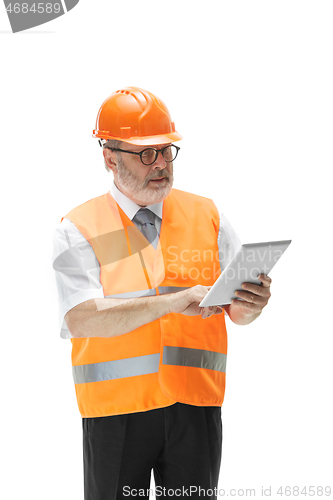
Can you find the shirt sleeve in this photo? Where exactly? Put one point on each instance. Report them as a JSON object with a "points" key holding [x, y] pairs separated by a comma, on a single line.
{"points": [[77, 271], [228, 242]]}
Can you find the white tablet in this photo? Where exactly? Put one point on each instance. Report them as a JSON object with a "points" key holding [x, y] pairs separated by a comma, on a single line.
{"points": [[251, 260]]}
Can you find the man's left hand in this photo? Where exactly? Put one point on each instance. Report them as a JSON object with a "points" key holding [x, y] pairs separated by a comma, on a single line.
{"points": [[254, 299]]}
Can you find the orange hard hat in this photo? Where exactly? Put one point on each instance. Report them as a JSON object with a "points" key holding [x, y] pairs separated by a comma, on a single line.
{"points": [[135, 116]]}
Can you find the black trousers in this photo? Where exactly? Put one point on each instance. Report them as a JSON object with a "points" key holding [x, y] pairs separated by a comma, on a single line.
{"points": [[181, 443]]}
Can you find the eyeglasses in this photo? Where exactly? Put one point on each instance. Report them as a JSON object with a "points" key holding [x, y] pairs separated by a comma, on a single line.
{"points": [[148, 156]]}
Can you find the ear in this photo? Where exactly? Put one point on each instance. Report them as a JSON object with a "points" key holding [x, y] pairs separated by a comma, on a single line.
{"points": [[110, 159]]}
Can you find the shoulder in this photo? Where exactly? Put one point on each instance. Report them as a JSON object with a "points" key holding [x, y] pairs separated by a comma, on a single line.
{"points": [[86, 209], [66, 235]]}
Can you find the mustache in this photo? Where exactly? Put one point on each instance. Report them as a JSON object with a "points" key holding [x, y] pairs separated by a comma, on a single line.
{"points": [[167, 175]]}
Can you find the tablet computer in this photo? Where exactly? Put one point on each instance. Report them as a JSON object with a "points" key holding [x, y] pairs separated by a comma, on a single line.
{"points": [[251, 260]]}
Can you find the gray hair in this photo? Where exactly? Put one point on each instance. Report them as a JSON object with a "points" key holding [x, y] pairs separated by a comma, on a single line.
{"points": [[111, 143]]}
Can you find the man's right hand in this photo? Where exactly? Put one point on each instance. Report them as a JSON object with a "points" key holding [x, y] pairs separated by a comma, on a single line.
{"points": [[187, 302]]}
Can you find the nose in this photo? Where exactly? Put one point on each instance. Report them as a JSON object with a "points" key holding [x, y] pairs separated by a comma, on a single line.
{"points": [[160, 161]]}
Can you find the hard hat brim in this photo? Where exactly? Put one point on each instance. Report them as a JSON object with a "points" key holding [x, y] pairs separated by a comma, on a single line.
{"points": [[144, 141]]}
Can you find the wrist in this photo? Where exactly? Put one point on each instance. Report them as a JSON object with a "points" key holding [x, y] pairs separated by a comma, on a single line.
{"points": [[168, 301]]}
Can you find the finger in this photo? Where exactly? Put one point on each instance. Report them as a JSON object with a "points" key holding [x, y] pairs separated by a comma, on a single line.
{"points": [[265, 279], [213, 310], [256, 289], [247, 306], [210, 311], [250, 297], [204, 312]]}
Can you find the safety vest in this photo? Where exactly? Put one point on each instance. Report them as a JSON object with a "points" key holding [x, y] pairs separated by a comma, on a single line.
{"points": [[176, 358]]}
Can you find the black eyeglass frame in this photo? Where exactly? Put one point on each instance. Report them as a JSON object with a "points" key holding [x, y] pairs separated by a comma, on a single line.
{"points": [[146, 149]]}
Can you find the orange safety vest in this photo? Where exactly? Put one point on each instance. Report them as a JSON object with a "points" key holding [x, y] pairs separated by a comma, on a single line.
{"points": [[176, 358]]}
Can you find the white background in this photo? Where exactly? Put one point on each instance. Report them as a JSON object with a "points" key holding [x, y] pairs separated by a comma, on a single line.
{"points": [[249, 86]]}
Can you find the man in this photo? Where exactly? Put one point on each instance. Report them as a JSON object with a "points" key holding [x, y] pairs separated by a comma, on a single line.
{"points": [[132, 267]]}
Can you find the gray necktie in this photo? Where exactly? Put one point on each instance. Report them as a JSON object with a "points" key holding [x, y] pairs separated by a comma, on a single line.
{"points": [[147, 219]]}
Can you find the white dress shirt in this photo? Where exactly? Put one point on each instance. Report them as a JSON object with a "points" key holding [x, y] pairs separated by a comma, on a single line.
{"points": [[85, 283]]}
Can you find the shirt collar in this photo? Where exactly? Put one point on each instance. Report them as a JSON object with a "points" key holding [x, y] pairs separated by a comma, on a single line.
{"points": [[130, 207]]}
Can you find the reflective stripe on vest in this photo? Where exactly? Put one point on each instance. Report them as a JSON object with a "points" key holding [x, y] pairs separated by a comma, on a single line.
{"points": [[119, 368], [142, 365], [198, 358]]}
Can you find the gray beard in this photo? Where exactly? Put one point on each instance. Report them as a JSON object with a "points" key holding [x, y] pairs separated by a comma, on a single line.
{"points": [[142, 192]]}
